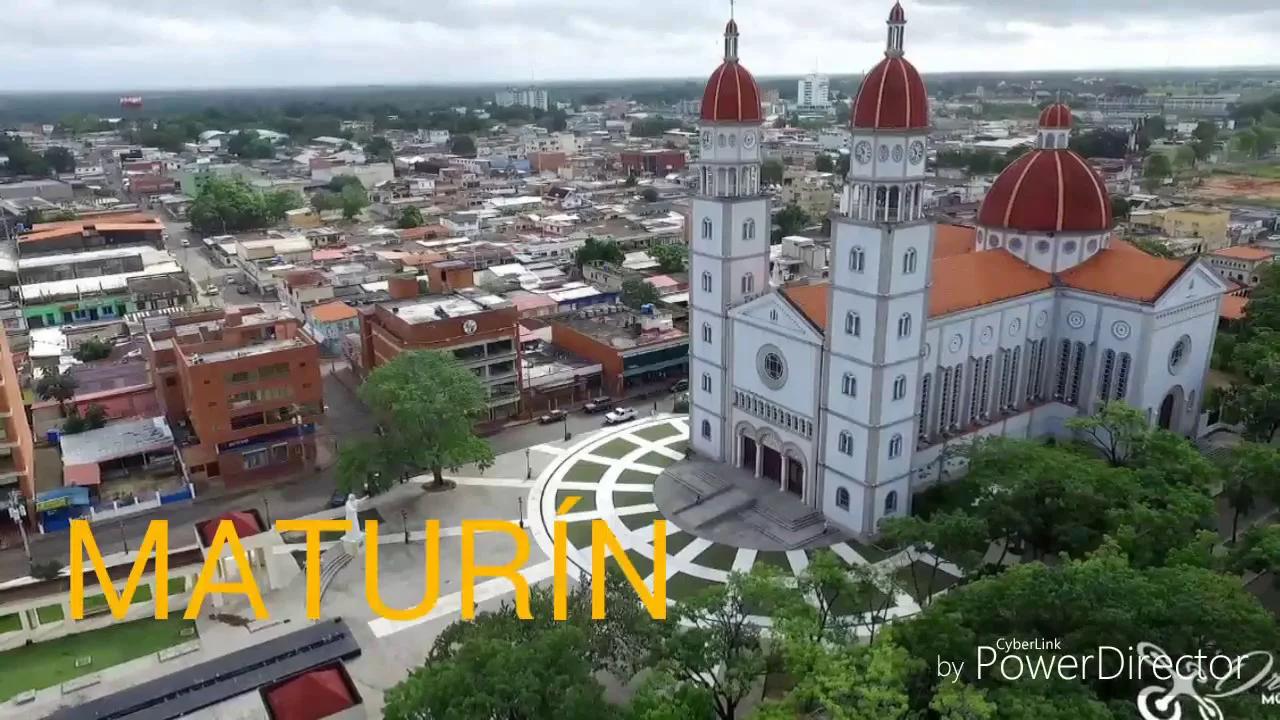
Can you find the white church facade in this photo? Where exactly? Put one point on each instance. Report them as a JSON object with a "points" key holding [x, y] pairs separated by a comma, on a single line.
{"points": [[846, 392]]}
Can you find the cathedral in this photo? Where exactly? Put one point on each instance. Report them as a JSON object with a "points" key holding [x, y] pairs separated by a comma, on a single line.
{"points": [[923, 335]]}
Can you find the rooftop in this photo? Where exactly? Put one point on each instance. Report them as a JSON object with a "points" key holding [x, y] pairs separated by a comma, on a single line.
{"points": [[262, 348], [116, 440], [1245, 252], [624, 329], [443, 307], [967, 281]]}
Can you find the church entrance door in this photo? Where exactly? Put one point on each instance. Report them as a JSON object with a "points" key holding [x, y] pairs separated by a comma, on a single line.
{"points": [[748, 459], [1166, 412], [795, 477], [772, 464]]}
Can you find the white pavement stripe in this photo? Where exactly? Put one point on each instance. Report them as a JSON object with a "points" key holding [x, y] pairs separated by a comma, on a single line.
{"points": [[594, 486], [799, 561], [452, 603], [693, 550], [599, 514], [489, 482], [745, 558], [848, 554], [548, 449]]}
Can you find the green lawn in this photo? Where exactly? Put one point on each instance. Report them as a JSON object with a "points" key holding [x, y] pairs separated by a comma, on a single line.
{"points": [[682, 586], [583, 471], [635, 477], [615, 448], [640, 520], [655, 459], [776, 558], [917, 574], [53, 662], [718, 556], [586, 499], [657, 432]]}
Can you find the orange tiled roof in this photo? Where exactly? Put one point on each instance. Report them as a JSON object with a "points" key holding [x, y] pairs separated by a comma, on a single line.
{"points": [[967, 281], [1245, 252], [812, 301], [128, 227], [104, 218], [1233, 307], [1128, 275], [950, 240], [333, 312]]}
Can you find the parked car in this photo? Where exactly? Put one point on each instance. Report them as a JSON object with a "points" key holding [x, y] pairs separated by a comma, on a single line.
{"points": [[604, 403], [552, 416], [337, 499], [619, 415], [680, 386], [186, 243]]}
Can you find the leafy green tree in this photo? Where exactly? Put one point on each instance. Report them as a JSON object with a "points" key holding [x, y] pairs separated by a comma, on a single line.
{"points": [[790, 220], [248, 144], [338, 183], [225, 206], [463, 145], [1152, 247], [654, 126], [650, 195], [60, 160], [631, 181], [771, 172], [279, 202], [326, 200], [57, 385], [662, 697], [1251, 472], [1119, 208], [95, 416], [1156, 169], [1185, 157], [1116, 430], [364, 467], [1206, 139], [671, 258], [1101, 143], [1255, 398], [637, 292], [823, 163], [950, 536], [410, 218], [22, 159], [91, 350], [593, 250], [378, 148], [1257, 552], [354, 199], [429, 405]]}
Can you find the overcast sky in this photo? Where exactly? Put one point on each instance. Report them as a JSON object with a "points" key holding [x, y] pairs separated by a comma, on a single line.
{"points": [[141, 44]]}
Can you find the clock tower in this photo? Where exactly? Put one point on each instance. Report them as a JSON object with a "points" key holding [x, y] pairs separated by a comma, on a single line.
{"points": [[882, 243], [729, 240]]}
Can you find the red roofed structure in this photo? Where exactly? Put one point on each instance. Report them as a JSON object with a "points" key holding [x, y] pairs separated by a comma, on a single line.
{"points": [[246, 524], [731, 95], [892, 95], [313, 695], [1048, 191]]}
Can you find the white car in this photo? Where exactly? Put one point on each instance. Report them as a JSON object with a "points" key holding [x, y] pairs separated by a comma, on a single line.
{"points": [[619, 415], [186, 242]]}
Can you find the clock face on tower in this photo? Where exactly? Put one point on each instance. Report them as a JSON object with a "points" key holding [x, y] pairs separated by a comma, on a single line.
{"points": [[706, 138], [862, 152], [749, 140], [916, 152]]}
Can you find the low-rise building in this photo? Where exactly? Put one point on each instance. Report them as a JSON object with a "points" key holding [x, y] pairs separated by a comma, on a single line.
{"points": [[652, 162], [1241, 264], [813, 192], [16, 451], [331, 323], [633, 348], [105, 284], [1203, 222], [241, 388]]}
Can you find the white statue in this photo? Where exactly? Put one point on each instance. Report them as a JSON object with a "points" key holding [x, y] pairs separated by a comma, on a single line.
{"points": [[355, 534]]}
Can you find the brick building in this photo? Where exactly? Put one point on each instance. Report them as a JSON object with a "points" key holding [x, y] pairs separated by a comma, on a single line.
{"points": [[241, 388], [633, 349], [482, 331], [652, 162], [16, 452]]}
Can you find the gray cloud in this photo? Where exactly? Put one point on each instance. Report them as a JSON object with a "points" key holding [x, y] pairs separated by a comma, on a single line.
{"points": [[68, 44]]}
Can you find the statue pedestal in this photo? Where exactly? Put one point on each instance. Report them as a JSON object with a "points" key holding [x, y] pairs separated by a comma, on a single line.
{"points": [[353, 543]]}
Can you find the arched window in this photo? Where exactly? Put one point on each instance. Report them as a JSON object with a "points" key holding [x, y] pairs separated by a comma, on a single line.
{"points": [[706, 382], [899, 387], [706, 228], [842, 498], [891, 502], [749, 229], [706, 333], [706, 282], [849, 385], [748, 284], [892, 212], [1049, 141], [909, 261], [852, 324], [857, 259], [706, 429], [845, 443], [1108, 368], [895, 446], [904, 325]]}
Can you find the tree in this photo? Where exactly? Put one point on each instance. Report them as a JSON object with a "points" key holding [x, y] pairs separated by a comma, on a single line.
{"points": [[631, 181], [823, 163], [771, 172], [637, 293], [1206, 139], [354, 199], [790, 220], [1152, 247], [950, 536], [463, 145], [1255, 398], [1251, 471], [60, 160], [410, 218], [593, 251], [1156, 169], [429, 404], [1119, 208], [91, 350], [326, 200], [671, 258], [279, 202], [248, 144], [57, 385], [654, 126], [710, 644], [1257, 552], [228, 205], [364, 467], [1101, 143], [378, 148], [649, 194], [1185, 157], [1116, 430]]}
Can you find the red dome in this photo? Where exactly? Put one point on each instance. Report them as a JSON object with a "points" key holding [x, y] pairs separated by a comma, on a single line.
{"points": [[897, 15], [892, 97], [1056, 117], [732, 95], [1048, 191]]}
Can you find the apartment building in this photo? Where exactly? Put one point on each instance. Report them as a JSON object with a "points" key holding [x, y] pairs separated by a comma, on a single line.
{"points": [[529, 97], [813, 191], [814, 91], [1205, 223], [1241, 264], [482, 331], [16, 452], [241, 388], [84, 286]]}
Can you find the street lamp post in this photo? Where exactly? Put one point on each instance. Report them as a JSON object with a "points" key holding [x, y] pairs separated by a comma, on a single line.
{"points": [[123, 540], [404, 521], [528, 465], [18, 513], [566, 428], [266, 503], [520, 511]]}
